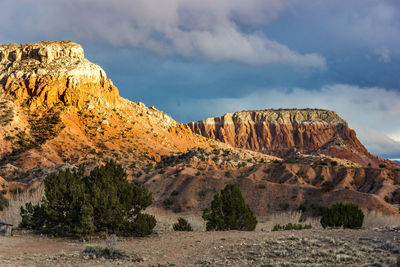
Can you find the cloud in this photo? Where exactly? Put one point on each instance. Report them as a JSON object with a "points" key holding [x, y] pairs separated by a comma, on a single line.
{"points": [[188, 28], [364, 109], [376, 142], [383, 54]]}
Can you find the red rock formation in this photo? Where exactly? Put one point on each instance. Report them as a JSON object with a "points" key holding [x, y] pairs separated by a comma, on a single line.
{"points": [[45, 74], [284, 131]]}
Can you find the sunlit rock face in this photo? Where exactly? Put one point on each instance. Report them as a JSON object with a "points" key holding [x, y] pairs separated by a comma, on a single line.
{"points": [[284, 131], [50, 73]]}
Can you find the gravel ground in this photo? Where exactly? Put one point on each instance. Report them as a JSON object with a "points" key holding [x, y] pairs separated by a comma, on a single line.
{"points": [[233, 248]]}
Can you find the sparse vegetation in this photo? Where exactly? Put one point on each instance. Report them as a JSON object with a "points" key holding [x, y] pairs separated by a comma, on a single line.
{"points": [[3, 202], [182, 225], [79, 205], [328, 186], [108, 252], [291, 226], [342, 215], [229, 212], [167, 203]]}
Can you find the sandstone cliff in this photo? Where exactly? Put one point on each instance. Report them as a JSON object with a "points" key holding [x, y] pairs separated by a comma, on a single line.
{"points": [[57, 108], [44, 74], [285, 131]]}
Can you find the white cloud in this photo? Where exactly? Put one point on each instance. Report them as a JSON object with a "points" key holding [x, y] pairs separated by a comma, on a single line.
{"points": [[189, 28], [363, 108]]}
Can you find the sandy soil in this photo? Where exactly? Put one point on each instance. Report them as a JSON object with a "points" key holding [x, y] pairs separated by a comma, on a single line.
{"points": [[233, 248]]}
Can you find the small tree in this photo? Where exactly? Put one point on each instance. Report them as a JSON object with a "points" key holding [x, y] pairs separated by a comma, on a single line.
{"points": [[183, 225], [78, 205], [229, 212], [342, 215]]}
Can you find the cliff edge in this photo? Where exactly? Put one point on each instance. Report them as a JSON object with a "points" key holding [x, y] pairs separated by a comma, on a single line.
{"points": [[283, 132]]}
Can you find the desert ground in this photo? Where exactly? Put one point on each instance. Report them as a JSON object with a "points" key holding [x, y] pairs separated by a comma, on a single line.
{"points": [[370, 246], [232, 248]]}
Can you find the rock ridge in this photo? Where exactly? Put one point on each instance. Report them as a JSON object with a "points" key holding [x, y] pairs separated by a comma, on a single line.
{"points": [[283, 116], [283, 132], [47, 73]]}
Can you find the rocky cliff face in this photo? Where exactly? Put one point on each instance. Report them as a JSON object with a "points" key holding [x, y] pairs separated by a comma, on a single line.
{"points": [[45, 74], [58, 108], [284, 131]]}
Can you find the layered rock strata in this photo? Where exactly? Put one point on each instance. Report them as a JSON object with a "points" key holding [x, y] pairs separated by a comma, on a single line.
{"points": [[284, 131], [47, 73]]}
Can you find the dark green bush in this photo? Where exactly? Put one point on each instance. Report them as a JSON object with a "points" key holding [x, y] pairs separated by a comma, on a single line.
{"points": [[168, 202], [3, 202], [291, 226], [342, 215], [328, 186], [183, 225], [229, 212], [79, 205], [262, 186], [317, 209]]}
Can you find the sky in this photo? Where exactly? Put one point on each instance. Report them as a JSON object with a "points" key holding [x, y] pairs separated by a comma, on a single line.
{"points": [[196, 59]]}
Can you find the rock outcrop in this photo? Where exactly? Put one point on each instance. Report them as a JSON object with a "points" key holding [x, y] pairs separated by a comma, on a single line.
{"points": [[57, 107], [285, 131], [45, 74]]}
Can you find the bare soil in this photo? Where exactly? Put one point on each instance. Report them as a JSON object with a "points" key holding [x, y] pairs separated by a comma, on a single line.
{"points": [[233, 248]]}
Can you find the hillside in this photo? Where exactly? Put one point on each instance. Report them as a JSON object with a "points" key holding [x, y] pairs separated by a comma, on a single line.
{"points": [[59, 110]]}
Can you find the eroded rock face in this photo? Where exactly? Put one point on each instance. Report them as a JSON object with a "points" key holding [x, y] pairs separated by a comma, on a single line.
{"points": [[45, 74], [284, 131]]}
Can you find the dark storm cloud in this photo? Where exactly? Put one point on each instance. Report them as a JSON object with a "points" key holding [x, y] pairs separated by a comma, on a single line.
{"points": [[191, 29]]}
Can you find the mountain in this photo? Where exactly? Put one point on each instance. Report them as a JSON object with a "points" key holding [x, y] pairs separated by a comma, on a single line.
{"points": [[287, 132], [59, 110]]}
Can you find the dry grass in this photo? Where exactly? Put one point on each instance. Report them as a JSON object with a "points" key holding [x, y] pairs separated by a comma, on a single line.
{"points": [[11, 214], [268, 222], [375, 219], [166, 219]]}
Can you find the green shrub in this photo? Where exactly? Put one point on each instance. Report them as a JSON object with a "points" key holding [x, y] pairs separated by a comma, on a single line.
{"points": [[303, 207], [168, 202], [203, 193], [318, 209], [229, 212], [96, 251], [183, 225], [3, 202], [342, 215], [398, 261], [328, 186], [291, 226], [79, 205], [387, 199]]}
